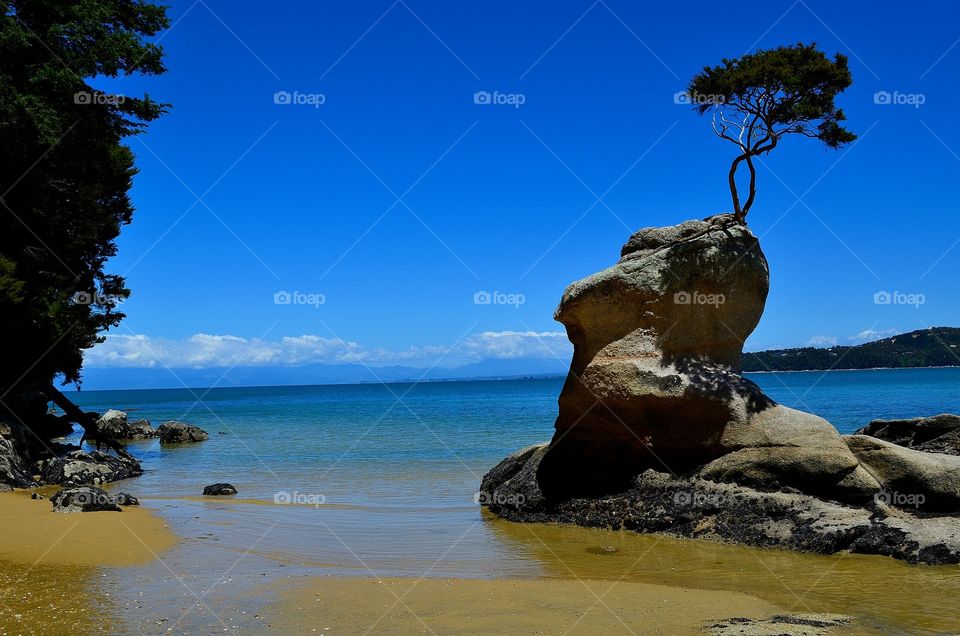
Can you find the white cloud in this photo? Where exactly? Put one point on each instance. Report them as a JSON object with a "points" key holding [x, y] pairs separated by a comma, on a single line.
{"points": [[873, 334], [822, 341], [202, 351]]}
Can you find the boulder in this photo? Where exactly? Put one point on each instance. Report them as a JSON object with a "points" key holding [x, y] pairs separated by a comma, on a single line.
{"points": [[83, 499], [180, 433], [77, 467], [513, 482], [112, 424], [218, 490], [910, 478], [936, 434], [655, 380]]}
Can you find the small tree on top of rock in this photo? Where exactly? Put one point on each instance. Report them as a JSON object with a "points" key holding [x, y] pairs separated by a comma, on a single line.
{"points": [[760, 97]]}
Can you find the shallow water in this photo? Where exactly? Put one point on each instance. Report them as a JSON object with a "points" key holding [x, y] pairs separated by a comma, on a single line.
{"points": [[379, 480]]}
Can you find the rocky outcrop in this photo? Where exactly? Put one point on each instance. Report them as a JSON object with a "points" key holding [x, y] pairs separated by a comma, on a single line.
{"points": [[694, 507], [83, 499], [655, 414], [655, 379], [937, 434], [181, 433], [78, 468]]}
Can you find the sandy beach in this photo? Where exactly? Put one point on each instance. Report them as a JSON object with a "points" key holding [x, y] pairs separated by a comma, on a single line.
{"points": [[333, 605]]}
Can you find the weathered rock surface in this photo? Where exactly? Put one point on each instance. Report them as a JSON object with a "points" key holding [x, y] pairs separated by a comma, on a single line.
{"points": [[925, 481], [180, 433], [659, 432], [218, 490], [114, 425], [77, 467], [83, 499], [937, 434], [14, 452]]}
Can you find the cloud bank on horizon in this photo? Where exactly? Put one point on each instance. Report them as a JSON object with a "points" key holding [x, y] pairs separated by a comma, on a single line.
{"points": [[206, 351]]}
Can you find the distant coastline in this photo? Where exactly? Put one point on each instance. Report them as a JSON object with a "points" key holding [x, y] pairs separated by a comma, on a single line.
{"points": [[937, 347]]}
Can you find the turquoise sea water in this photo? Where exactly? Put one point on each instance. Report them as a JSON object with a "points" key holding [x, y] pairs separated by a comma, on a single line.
{"points": [[380, 480]]}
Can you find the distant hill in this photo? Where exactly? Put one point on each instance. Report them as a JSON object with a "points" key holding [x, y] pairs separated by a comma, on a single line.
{"points": [[935, 347]]}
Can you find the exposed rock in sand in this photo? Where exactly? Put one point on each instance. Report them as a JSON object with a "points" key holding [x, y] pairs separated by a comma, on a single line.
{"points": [[781, 625], [83, 499]]}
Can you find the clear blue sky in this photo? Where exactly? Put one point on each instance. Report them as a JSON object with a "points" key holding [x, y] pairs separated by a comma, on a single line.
{"points": [[503, 198]]}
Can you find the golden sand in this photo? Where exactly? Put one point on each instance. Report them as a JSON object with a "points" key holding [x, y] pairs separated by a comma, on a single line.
{"points": [[47, 563], [335, 605], [33, 534]]}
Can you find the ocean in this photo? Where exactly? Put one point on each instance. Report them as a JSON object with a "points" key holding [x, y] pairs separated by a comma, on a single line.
{"points": [[380, 480]]}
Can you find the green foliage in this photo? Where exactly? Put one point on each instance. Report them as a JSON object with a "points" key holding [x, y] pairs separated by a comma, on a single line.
{"points": [[760, 97], [65, 174], [937, 347]]}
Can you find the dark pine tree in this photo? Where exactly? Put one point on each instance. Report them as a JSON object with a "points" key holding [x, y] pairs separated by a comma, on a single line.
{"points": [[64, 180]]}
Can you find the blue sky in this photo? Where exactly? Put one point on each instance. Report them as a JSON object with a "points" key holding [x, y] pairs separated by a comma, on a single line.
{"points": [[398, 198]]}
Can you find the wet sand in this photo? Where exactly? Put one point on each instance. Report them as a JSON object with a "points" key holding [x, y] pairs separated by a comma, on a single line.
{"points": [[49, 563], [335, 605], [34, 535]]}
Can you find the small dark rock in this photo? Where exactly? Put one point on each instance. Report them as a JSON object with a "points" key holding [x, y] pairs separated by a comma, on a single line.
{"points": [[125, 499], [83, 499], [219, 489], [36, 495]]}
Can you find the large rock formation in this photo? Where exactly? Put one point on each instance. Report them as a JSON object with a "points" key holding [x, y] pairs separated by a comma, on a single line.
{"points": [[655, 379], [659, 432]]}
